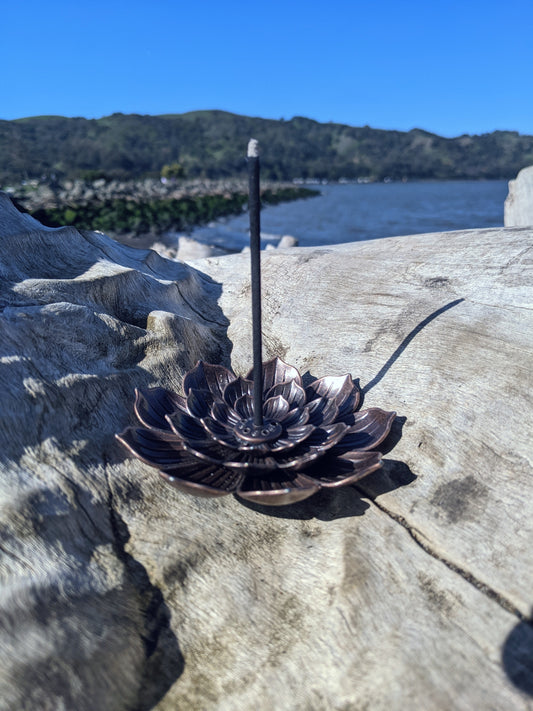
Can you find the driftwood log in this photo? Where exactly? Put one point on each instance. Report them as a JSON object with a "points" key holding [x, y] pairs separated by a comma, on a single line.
{"points": [[518, 207], [412, 589]]}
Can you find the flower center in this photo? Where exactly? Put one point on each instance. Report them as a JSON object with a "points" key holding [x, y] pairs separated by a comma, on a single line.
{"points": [[249, 432]]}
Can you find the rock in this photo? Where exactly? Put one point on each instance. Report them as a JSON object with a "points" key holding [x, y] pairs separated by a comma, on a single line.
{"points": [[283, 243], [185, 250], [518, 208], [80, 192], [411, 590], [287, 241], [165, 250], [190, 248]]}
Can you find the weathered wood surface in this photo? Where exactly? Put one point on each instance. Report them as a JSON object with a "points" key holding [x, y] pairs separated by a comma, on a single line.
{"points": [[412, 591]]}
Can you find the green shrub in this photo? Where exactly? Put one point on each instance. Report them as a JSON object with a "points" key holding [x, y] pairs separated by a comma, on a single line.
{"points": [[173, 171]]}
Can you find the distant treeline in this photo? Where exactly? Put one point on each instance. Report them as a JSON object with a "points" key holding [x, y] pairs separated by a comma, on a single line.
{"points": [[211, 144], [120, 216]]}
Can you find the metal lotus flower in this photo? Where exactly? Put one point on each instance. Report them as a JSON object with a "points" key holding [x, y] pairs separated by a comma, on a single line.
{"points": [[207, 443]]}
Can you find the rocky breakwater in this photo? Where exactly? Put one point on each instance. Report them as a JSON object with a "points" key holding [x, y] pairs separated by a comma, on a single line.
{"points": [[410, 590], [140, 211]]}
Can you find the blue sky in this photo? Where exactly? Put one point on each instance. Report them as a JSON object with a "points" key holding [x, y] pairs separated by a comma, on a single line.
{"points": [[447, 67]]}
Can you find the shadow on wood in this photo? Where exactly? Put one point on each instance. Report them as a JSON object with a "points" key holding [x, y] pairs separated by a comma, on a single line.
{"points": [[517, 656], [332, 504], [406, 341]]}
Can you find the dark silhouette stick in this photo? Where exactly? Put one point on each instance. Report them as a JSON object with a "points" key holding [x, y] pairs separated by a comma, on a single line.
{"points": [[254, 207]]}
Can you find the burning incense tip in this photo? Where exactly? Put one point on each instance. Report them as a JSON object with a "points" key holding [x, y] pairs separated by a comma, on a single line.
{"points": [[253, 148]]}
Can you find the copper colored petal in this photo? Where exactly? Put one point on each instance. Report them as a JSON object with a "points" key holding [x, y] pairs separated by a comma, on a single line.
{"points": [[326, 436], [276, 371], [283, 443], [192, 468], [157, 448], [295, 436], [276, 408], [350, 404], [261, 458], [331, 471], [199, 402], [244, 407], [209, 480], [236, 389], [252, 458], [290, 391], [294, 459], [220, 433], [330, 386], [153, 404], [245, 458], [322, 411], [340, 388], [369, 429], [224, 414], [276, 493], [205, 376], [300, 432], [185, 426], [207, 450], [190, 487], [296, 417]]}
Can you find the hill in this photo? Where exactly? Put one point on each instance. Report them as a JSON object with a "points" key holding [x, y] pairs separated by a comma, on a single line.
{"points": [[211, 144]]}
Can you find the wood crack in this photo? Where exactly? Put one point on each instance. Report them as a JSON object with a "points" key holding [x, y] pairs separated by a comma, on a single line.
{"points": [[422, 541], [506, 307], [197, 312]]}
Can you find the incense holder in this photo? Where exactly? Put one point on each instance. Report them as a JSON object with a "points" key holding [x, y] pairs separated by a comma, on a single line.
{"points": [[206, 442]]}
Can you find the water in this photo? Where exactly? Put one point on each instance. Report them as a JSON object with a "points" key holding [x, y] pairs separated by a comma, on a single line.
{"points": [[349, 213]]}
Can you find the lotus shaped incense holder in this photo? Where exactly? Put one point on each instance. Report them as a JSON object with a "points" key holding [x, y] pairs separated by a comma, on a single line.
{"points": [[208, 443]]}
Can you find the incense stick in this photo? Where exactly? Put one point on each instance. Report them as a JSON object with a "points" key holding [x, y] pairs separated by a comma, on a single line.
{"points": [[254, 207]]}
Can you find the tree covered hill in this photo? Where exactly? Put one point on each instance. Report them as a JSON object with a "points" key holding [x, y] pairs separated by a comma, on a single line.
{"points": [[211, 144]]}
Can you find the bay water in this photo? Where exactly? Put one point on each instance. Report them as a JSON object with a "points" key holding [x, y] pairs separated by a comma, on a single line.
{"points": [[353, 212]]}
